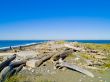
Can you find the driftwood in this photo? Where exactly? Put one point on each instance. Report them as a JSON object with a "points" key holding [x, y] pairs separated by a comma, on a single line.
{"points": [[4, 73], [15, 71], [11, 73], [9, 68], [74, 48], [43, 59], [74, 67], [36, 63], [7, 62], [62, 55], [18, 69], [17, 64]]}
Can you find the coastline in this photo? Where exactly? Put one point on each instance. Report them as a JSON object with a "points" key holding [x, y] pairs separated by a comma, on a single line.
{"points": [[89, 56], [92, 57], [18, 46], [43, 41]]}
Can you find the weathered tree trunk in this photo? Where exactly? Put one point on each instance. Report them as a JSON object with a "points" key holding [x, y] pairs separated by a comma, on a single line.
{"points": [[17, 64], [4, 73], [62, 55], [74, 48], [9, 68], [36, 63], [8, 72], [74, 67], [7, 62], [43, 59], [11, 73], [18, 69], [15, 71]]}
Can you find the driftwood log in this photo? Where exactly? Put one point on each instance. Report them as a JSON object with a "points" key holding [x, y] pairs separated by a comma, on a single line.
{"points": [[7, 62], [43, 59], [9, 68], [11, 73], [18, 69], [37, 62], [74, 48], [76, 68], [62, 55], [15, 71], [17, 63], [4, 73]]}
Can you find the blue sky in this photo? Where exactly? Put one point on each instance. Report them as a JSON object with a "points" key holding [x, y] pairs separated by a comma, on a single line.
{"points": [[54, 19]]}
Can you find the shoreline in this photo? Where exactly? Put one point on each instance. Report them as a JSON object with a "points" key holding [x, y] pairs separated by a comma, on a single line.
{"points": [[37, 43], [18, 46]]}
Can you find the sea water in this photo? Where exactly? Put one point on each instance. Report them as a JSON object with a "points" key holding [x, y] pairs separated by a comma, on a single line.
{"points": [[8, 43]]}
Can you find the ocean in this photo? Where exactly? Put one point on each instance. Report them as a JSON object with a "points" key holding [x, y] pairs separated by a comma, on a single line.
{"points": [[8, 43], [92, 41]]}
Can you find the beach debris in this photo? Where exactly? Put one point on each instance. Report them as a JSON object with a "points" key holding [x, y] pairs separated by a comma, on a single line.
{"points": [[17, 63], [11, 73], [9, 67], [18, 69], [74, 67], [15, 71], [74, 48], [43, 59], [37, 62], [62, 55], [4, 73], [7, 62], [94, 51]]}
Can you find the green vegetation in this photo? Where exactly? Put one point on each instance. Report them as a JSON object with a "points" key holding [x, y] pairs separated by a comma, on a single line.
{"points": [[60, 42], [87, 56], [22, 78]]}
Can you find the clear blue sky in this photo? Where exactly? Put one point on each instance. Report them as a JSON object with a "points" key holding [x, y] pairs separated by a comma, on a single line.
{"points": [[54, 19]]}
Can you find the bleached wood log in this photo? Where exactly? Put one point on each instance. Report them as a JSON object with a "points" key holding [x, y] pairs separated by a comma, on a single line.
{"points": [[62, 55], [36, 63], [43, 59], [74, 67]]}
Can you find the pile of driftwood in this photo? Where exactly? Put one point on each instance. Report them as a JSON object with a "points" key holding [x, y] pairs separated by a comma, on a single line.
{"points": [[8, 68], [59, 63]]}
